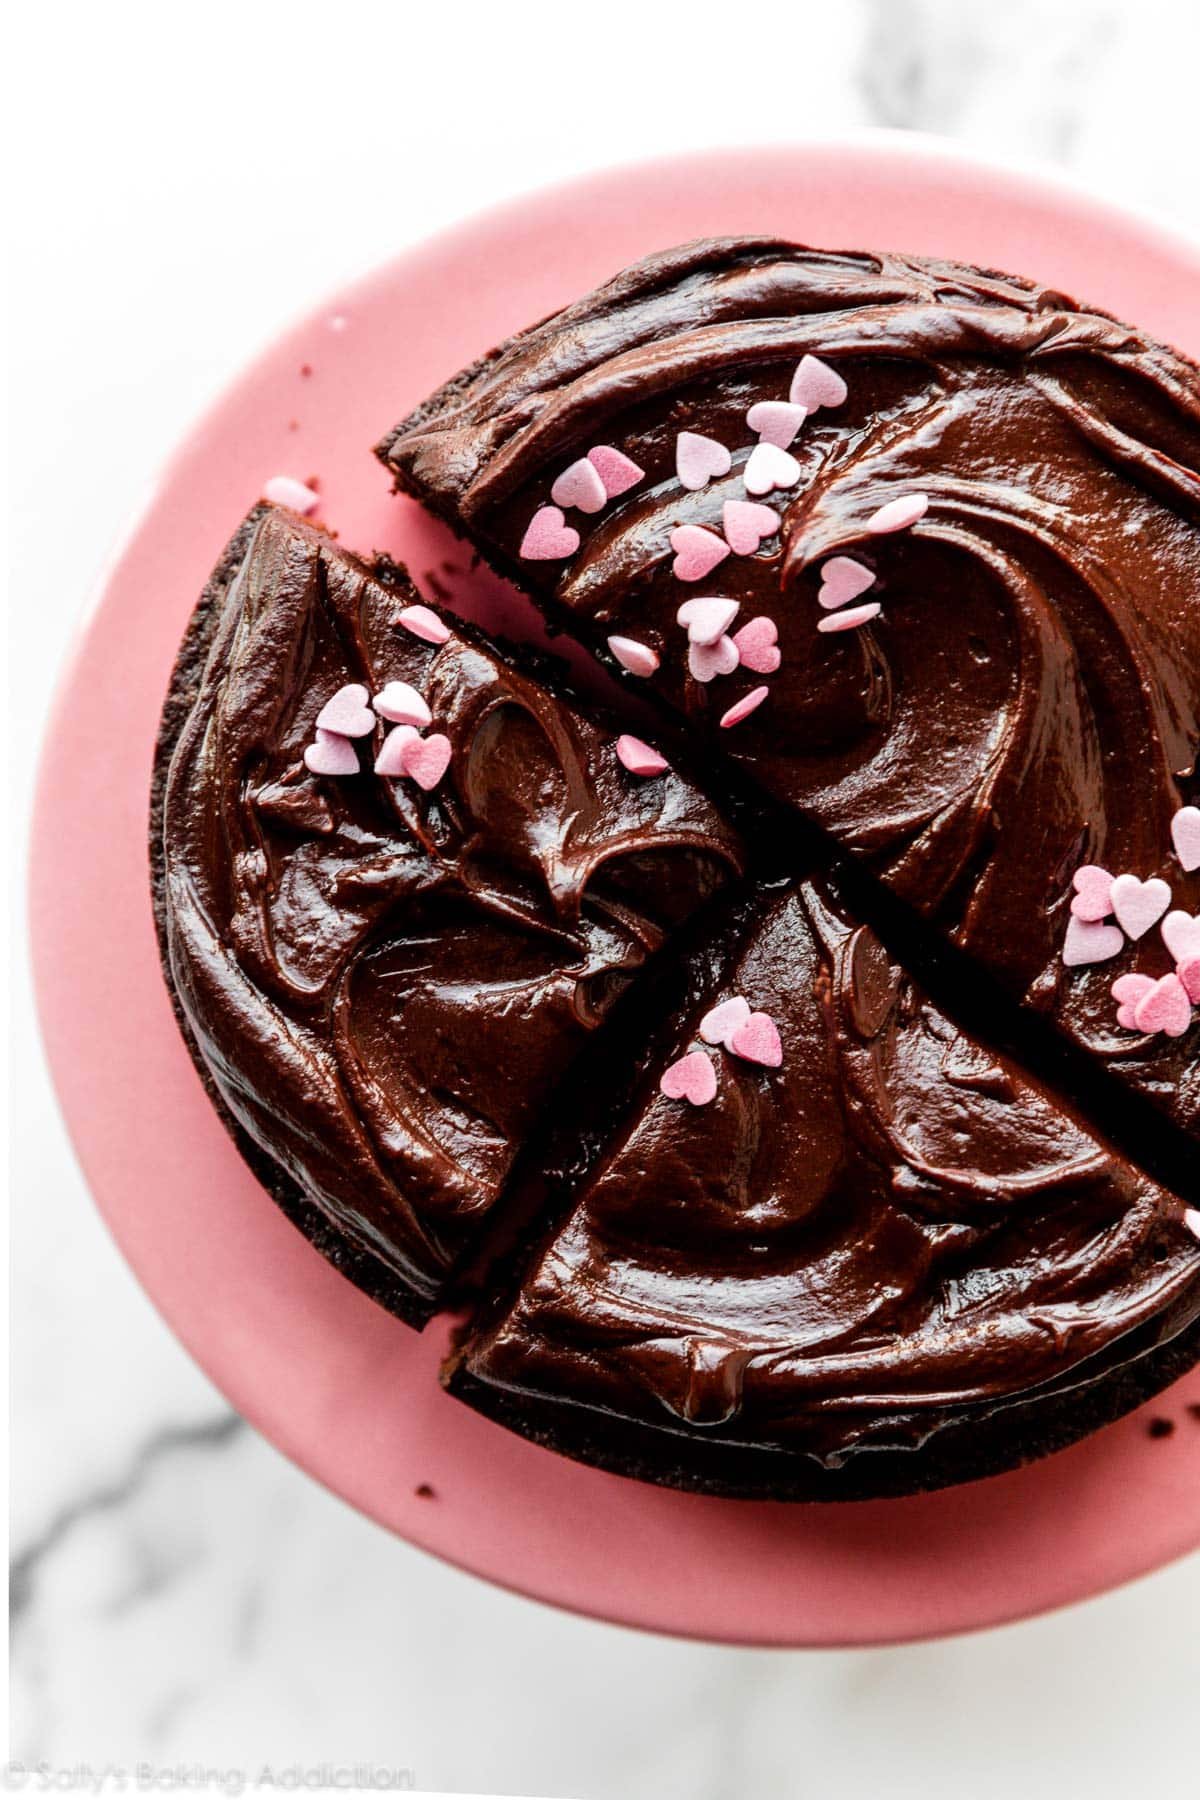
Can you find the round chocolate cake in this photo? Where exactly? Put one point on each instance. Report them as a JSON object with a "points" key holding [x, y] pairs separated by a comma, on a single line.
{"points": [[805, 1103]]}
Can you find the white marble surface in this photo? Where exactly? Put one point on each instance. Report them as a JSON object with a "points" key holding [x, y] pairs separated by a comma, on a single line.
{"points": [[180, 1593]]}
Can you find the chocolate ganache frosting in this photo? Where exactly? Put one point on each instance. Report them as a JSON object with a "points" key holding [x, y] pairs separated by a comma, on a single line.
{"points": [[385, 975], [959, 515]]}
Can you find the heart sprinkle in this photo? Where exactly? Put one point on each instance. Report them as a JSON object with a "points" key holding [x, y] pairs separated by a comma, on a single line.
{"points": [[770, 467], [639, 659], [697, 552], [1189, 973], [423, 623], [1181, 935], [548, 537], [741, 709], [758, 645], [692, 1078], [639, 758], [843, 579], [1185, 835], [617, 471], [1093, 892], [850, 617], [390, 760], [757, 1041], [747, 524], [898, 514], [347, 713], [707, 620], [815, 384], [426, 759], [1139, 904], [1087, 942], [720, 1022], [1127, 991], [776, 421], [706, 661], [699, 459], [580, 486], [1164, 1008], [402, 705], [332, 754], [285, 490]]}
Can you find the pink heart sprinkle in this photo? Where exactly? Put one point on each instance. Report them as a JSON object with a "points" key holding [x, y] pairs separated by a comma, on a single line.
{"points": [[706, 620], [757, 1041], [390, 760], [347, 714], [1093, 892], [706, 661], [747, 524], [898, 514], [1189, 973], [640, 758], [1181, 935], [699, 459], [697, 552], [617, 471], [720, 1022], [1185, 835], [1139, 904], [1127, 990], [426, 759], [548, 537], [402, 705], [1087, 942], [851, 617], [741, 709], [1191, 1220], [815, 384], [1165, 1008], [692, 1078], [639, 659], [581, 486], [423, 623], [758, 645], [843, 579], [285, 490], [332, 754], [776, 421], [770, 467]]}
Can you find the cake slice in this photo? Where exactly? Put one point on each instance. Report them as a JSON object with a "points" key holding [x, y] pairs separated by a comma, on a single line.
{"points": [[825, 1246], [401, 876]]}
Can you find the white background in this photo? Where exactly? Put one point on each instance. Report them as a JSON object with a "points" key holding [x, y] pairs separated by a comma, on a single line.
{"points": [[186, 180]]}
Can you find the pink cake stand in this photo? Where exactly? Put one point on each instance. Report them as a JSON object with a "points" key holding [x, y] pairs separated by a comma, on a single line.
{"points": [[342, 1388]]}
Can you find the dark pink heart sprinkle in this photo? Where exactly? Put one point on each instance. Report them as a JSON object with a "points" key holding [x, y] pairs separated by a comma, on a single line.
{"points": [[1090, 943], [746, 524], [1139, 904], [1181, 935], [758, 645], [639, 659], [707, 620], [617, 471], [707, 661], [402, 705], [285, 490], [331, 754], [423, 623], [1189, 973], [1093, 892], [850, 618], [548, 537], [697, 552], [347, 714], [640, 758], [843, 579], [757, 1041], [1127, 990], [390, 760], [1165, 1008], [580, 485], [898, 514], [721, 1021], [1191, 1221], [741, 709], [769, 467], [426, 759], [692, 1078], [699, 459], [776, 421], [1185, 835], [815, 384]]}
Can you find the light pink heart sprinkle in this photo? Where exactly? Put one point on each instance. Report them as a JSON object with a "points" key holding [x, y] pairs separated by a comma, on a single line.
{"points": [[285, 490], [770, 467], [1189, 973], [707, 620], [776, 421], [1093, 892], [423, 623], [850, 618], [332, 754], [692, 1078], [1165, 1008], [1191, 1220], [402, 705], [548, 537], [757, 1041], [347, 714], [639, 659], [1087, 942], [390, 759], [741, 709], [1181, 935], [815, 384], [1185, 835], [758, 645], [1127, 990], [617, 471], [843, 579], [721, 1021], [580, 485], [747, 524], [698, 460], [1139, 904], [697, 552], [426, 759], [640, 758], [707, 661], [898, 514]]}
